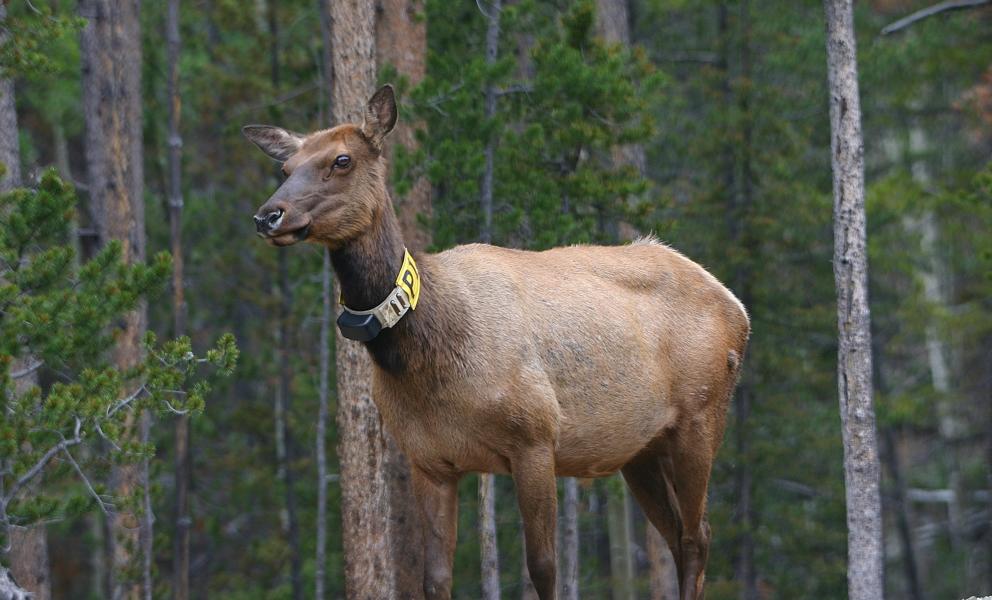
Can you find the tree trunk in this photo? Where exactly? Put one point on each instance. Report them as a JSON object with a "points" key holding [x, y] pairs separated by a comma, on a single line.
{"points": [[28, 545], [486, 193], [487, 486], [284, 459], [363, 449], [613, 25], [327, 293], [854, 377], [902, 515], [147, 516], [663, 575], [29, 560], [110, 47], [10, 152], [487, 537], [9, 589], [401, 43], [283, 392], [183, 462], [621, 544], [570, 540], [987, 387], [950, 425], [738, 191], [322, 412]]}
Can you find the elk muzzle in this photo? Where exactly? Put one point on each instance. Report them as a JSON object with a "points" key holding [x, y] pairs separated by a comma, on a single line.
{"points": [[265, 223], [281, 225]]}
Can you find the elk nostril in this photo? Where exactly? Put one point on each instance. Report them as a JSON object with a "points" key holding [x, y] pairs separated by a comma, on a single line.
{"points": [[274, 217]]}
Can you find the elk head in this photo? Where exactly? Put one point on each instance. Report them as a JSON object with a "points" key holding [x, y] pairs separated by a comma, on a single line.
{"points": [[335, 178]]}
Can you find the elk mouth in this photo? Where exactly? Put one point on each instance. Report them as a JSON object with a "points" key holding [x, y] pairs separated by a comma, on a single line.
{"points": [[288, 238]]}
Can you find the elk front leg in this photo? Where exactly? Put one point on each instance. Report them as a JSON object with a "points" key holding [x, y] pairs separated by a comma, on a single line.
{"points": [[438, 501], [537, 494]]}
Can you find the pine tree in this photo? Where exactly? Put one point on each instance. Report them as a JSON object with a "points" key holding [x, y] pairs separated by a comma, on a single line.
{"points": [[861, 465], [65, 318]]}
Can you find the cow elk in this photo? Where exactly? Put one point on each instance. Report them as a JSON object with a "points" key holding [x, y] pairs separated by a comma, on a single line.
{"points": [[577, 361]]}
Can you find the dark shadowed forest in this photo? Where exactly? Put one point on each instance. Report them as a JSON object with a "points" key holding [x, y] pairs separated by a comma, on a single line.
{"points": [[181, 418]]}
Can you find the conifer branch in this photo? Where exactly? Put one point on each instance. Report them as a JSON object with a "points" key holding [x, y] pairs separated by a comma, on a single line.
{"points": [[936, 9], [89, 486], [27, 370]]}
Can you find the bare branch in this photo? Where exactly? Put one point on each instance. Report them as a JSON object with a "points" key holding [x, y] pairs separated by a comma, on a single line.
{"points": [[520, 88], [485, 14], [112, 410], [173, 409], [27, 370], [103, 505], [107, 438], [38, 466], [936, 9], [9, 590]]}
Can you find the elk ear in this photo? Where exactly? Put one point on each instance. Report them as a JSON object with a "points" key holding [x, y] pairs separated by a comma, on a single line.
{"points": [[380, 116], [278, 143]]}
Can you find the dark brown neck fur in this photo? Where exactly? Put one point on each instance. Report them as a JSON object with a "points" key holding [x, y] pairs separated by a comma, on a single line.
{"points": [[366, 268]]}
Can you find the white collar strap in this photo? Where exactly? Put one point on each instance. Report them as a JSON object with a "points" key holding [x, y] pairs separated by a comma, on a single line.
{"points": [[365, 325]]}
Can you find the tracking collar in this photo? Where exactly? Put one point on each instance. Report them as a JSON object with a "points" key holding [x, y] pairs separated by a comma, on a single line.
{"points": [[365, 325]]}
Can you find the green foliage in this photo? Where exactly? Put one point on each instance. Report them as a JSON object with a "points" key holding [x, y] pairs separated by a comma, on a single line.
{"points": [[556, 123], [57, 320], [737, 176], [31, 30]]}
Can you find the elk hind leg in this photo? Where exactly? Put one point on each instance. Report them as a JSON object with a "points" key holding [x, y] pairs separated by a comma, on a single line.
{"points": [[649, 476], [692, 452]]}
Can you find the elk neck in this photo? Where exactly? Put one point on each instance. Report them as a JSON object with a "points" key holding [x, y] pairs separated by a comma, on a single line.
{"points": [[367, 265], [366, 268]]}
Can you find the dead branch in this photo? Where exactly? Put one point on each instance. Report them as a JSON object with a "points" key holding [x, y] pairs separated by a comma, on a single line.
{"points": [[936, 9]]}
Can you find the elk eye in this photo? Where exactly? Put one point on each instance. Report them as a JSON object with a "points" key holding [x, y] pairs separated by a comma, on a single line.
{"points": [[342, 161]]}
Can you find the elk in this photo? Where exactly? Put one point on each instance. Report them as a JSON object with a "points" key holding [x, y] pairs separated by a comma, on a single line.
{"points": [[576, 361]]}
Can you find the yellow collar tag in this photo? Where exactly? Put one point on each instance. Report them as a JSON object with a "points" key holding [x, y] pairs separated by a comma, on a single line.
{"points": [[365, 325], [409, 279]]}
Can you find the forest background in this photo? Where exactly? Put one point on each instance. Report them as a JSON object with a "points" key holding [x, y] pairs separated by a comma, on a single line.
{"points": [[528, 124]]}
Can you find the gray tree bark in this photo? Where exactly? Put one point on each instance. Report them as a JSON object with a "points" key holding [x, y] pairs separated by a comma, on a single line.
{"points": [[902, 514], [28, 555], [570, 540], [401, 43], [327, 293], [10, 153], [183, 461], [663, 576], [283, 392], [621, 544], [110, 47], [487, 500], [738, 191], [363, 447], [487, 537], [281, 407], [495, 9], [9, 590], [613, 25], [854, 373], [322, 413]]}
